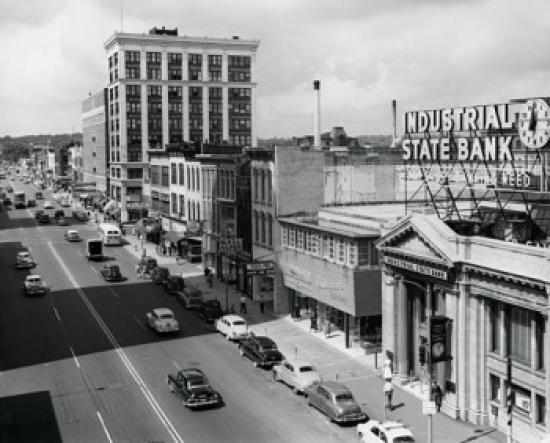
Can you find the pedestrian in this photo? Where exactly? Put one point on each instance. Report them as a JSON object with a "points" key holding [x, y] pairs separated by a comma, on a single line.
{"points": [[313, 322], [262, 303], [388, 391], [437, 396], [243, 305]]}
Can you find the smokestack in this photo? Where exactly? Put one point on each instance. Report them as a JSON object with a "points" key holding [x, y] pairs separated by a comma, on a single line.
{"points": [[394, 116], [317, 114]]}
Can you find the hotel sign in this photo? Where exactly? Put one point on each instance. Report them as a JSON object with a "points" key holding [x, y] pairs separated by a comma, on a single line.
{"points": [[416, 267]]}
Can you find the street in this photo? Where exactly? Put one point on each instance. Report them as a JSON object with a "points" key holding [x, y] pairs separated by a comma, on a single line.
{"points": [[87, 344]]}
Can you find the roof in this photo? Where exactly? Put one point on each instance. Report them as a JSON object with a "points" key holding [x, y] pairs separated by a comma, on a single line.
{"points": [[163, 311], [331, 227]]}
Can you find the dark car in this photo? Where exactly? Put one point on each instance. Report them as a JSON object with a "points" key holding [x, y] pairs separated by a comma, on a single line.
{"points": [[31, 203], [190, 297], [7, 201], [111, 273], [173, 284], [159, 275], [62, 221], [261, 350], [38, 213], [210, 310], [335, 401], [194, 389], [9, 189], [44, 218], [147, 264], [59, 213]]}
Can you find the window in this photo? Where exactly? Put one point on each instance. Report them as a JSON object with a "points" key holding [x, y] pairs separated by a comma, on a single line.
{"points": [[331, 248], [174, 199], [135, 173], [300, 240], [541, 409], [174, 171], [262, 230], [341, 258], [164, 176], [494, 386], [539, 340], [181, 174], [352, 254], [291, 237], [519, 334], [197, 179], [182, 205], [284, 235], [269, 229], [494, 326]]}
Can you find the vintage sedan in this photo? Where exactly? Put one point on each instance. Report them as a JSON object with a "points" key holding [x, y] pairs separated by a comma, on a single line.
{"points": [[190, 298], [24, 260], [210, 310], [261, 350], [390, 432], [62, 221], [232, 326], [162, 320], [111, 273], [48, 204], [335, 401], [192, 386], [34, 285], [159, 275], [72, 235], [297, 374], [174, 284]]}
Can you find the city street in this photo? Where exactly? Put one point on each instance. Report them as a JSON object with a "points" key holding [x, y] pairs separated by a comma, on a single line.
{"points": [[86, 344]]}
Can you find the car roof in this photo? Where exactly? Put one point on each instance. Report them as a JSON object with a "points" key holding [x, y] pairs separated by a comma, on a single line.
{"points": [[33, 276], [163, 311], [391, 428], [192, 373], [23, 253], [335, 387], [263, 340], [72, 231], [231, 318], [296, 362]]}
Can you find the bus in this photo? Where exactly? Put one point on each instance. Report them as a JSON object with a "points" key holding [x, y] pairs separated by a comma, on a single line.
{"points": [[19, 200], [110, 234]]}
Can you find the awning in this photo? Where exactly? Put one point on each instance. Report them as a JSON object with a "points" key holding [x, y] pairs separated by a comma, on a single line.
{"points": [[108, 206], [174, 237]]}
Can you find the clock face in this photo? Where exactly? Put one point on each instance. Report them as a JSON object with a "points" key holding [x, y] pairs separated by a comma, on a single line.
{"points": [[438, 349], [534, 124]]}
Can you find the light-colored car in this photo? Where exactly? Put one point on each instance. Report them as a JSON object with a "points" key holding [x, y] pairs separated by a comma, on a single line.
{"points": [[48, 204], [336, 401], [72, 235], [34, 285], [298, 374], [24, 260], [390, 432], [232, 326], [162, 320]]}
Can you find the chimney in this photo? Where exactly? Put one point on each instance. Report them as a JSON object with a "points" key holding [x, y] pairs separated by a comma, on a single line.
{"points": [[317, 114], [394, 117]]}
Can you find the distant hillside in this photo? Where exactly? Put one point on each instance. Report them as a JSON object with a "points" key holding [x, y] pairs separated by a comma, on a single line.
{"points": [[13, 148]]}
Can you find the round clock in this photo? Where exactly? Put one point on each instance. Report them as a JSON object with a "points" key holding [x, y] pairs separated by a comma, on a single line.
{"points": [[438, 349], [534, 124]]}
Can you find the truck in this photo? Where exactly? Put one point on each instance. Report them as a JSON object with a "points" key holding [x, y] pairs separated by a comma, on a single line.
{"points": [[19, 200], [94, 249]]}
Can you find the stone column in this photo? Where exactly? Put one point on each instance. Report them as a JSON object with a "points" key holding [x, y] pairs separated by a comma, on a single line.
{"points": [[462, 353], [475, 369], [402, 336], [389, 309]]}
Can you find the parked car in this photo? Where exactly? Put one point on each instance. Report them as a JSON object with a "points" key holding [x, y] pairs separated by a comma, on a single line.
{"points": [[31, 203], [24, 260], [297, 374], [72, 235], [210, 310], [162, 320], [7, 201], [44, 218], [38, 195], [34, 285], [194, 389], [190, 297], [80, 215], [232, 326], [390, 432], [62, 221], [147, 264], [38, 213], [261, 350], [59, 213], [48, 204], [173, 284], [111, 273], [335, 401], [159, 275]]}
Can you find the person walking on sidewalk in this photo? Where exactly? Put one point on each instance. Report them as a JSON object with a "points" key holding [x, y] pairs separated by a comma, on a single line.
{"points": [[262, 306], [388, 391], [243, 305]]}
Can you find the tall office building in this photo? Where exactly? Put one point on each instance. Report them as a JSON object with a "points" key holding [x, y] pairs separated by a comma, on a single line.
{"points": [[95, 155], [169, 89]]}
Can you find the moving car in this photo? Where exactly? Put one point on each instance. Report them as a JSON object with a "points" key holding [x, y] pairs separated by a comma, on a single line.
{"points": [[210, 310], [94, 249], [162, 320], [390, 432], [335, 401], [159, 275], [34, 285], [147, 264], [194, 389], [62, 221], [261, 350], [174, 284], [190, 297], [297, 374], [232, 326], [48, 205], [72, 235], [43, 218], [80, 215], [24, 260], [111, 273], [31, 203]]}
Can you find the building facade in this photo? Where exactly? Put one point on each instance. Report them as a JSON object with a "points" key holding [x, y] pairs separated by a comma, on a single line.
{"points": [[95, 141], [164, 88]]}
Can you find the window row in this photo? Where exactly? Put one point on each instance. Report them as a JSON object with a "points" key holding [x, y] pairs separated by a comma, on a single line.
{"points": [[240, 140], [226, 184], [263, 229], [239, 76], [262, 186], [240, 92], [239, 61]]}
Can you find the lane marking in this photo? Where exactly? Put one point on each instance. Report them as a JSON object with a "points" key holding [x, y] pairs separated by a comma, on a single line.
{"points": [[56, 314], [113, 292], [109, 439], [74, 357], [159, 412], [178, 367], [94, 269]]}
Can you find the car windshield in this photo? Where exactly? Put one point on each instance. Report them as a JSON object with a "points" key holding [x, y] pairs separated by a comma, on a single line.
{"points": [[404, 439], [34, 280], [346, 396], [238, 323], [269, 347], [167, 316], [306, 369], [196, 383]]}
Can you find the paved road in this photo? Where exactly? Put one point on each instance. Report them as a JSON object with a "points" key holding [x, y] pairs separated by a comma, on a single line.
{"points": [[87, 344]]}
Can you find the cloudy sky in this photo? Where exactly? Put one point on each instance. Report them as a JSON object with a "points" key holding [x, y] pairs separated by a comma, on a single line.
{"points": [[424, 53]]}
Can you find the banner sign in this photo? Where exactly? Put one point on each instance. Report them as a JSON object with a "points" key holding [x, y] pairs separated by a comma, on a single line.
{"points": [[416, 267]]}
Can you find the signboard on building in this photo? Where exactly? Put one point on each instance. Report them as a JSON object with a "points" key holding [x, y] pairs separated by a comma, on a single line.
{"points": [[230, 245], [416, 267]]}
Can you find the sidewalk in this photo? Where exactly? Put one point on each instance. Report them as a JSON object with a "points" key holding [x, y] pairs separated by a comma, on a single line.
{"points": [[330, 357]]}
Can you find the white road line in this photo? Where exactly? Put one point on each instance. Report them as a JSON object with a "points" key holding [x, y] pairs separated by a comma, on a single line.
{"points": [[104, 427], [122, 355], [56, 314], [74, 357], [178, 367], [94, 269]]}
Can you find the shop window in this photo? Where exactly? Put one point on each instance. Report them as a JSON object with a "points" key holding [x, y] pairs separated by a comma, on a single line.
{"points": [[494, 385], [541, 410]]}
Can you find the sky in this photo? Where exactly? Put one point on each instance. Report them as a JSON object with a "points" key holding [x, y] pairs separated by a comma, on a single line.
{"points": [[423, 53]]}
